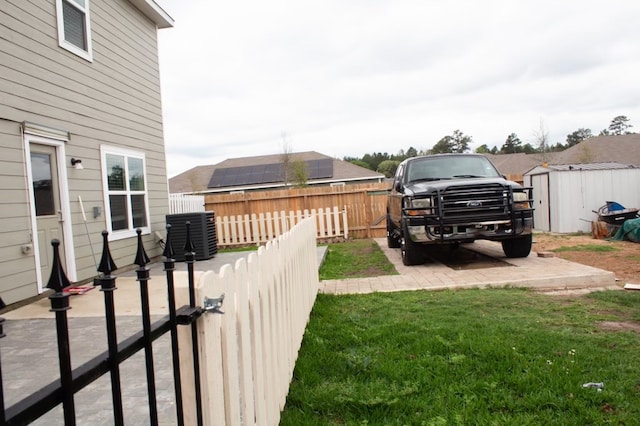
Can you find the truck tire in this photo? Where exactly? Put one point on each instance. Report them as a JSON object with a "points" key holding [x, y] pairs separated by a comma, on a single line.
{"points": [[517, 247], [411, 252], [392, 240]]}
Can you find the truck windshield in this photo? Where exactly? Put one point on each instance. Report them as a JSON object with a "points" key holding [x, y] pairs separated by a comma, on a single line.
{"points": [[454, 167]]}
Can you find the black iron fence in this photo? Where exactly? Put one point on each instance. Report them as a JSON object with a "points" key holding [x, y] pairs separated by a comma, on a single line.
{"points": [[71, 381]]}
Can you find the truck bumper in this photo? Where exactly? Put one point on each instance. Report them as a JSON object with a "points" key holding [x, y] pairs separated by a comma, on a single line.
{"points": [[425, 230]]}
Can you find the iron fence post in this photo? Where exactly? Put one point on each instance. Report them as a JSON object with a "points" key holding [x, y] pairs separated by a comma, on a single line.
{"points": [[142, 273], [2, 415], [60, 305], [190, 260], [169, 267], [108, 286]]}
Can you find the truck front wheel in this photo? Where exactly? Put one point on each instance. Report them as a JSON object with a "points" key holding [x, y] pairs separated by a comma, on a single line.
{"points": [[392, 239], [411, 252], [517, 247]]}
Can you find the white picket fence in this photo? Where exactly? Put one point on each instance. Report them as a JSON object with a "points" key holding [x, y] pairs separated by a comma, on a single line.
{"points": [[247, 355], [184, 203], [256, 229]]}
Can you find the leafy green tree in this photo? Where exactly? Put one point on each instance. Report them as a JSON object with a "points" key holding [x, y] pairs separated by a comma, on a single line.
{"points": [[388, 167], [618, 126], [511, 145], [483, 149], [578, 136], [411, 152], [298, 173], [375, 159], [528, 149], [360, 163], [458, 142]]}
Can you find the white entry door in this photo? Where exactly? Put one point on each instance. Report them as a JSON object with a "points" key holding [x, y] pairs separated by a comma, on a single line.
{"points": [[47, 206]]}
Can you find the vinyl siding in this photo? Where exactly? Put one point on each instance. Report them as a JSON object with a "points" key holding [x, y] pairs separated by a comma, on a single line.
{"points": [[17, 270], [113, 100]]}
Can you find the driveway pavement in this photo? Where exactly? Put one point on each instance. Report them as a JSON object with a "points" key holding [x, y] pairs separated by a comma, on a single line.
{"points": [[29, 350], [548, 273]]}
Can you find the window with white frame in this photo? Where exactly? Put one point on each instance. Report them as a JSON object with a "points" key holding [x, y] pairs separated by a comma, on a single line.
{"points": [[74, 27], [125, 186]]}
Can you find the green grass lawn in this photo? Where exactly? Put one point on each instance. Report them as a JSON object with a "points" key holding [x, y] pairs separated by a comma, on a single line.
{"points": [[486, 357], [355, 259]]}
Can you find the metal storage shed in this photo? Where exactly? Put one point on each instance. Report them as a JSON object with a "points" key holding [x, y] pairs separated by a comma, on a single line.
{"points": [[566, 195]]}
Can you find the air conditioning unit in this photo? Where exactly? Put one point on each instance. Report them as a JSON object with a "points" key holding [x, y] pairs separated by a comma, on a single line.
{"points": [[203, 234]]}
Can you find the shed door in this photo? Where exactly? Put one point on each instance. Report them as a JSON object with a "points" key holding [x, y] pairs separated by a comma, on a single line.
{"points": [[48, 211], [541, 214]]}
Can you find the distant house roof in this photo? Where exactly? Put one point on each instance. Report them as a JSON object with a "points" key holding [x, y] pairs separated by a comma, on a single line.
{"points": [[514, 164], [624, 149], [263, 172]]}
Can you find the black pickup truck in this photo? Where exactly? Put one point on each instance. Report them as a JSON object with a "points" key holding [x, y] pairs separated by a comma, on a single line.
{"points": [[453, 199]]}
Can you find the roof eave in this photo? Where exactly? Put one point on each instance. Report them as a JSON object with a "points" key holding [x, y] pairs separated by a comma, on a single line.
{"points": [[153, 11]]}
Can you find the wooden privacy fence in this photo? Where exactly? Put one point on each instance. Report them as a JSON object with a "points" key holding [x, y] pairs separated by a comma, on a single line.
{"points": [[365, 204], [262, 227], [247, 355]]}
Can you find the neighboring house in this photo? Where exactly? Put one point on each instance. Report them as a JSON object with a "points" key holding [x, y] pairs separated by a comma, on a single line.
{"points": [[268, 172], [514, 165], [80, 120], [565, 196], [624, 149]]}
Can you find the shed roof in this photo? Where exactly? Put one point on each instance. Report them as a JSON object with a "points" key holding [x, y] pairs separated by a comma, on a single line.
{"points": [[578, 167]]}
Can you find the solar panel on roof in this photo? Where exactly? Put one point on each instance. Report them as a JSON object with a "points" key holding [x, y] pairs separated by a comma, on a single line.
{"points": [[266, 173]]}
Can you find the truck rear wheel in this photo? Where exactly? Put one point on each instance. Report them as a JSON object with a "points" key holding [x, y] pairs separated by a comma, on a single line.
{"points": [[411, 252], [517, 247]]}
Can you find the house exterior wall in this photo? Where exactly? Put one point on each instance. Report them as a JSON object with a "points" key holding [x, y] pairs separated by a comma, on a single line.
{"points": [[112, 101], [574, 195]]}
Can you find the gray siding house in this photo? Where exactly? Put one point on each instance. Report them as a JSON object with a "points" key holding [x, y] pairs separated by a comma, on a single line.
{"points": [[81, 138]]}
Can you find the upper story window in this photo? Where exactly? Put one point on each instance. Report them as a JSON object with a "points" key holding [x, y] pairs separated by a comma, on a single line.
{"points": [[125, 186], [74, 27]]}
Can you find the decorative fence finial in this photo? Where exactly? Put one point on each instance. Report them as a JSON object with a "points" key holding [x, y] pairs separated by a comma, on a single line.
{"points": [[57, 280], [107, 265], [168, 248], [141, 256], [188, 245]]}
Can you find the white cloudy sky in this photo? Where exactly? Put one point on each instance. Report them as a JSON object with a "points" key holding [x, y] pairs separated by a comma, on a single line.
{"points": [[350, 77]]}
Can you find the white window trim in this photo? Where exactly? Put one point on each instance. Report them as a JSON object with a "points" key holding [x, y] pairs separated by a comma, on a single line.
{"points": [[131, 232], [88, 54]]}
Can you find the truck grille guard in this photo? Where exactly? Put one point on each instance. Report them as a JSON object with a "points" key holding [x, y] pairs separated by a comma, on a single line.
{"points": [[473, 204]]}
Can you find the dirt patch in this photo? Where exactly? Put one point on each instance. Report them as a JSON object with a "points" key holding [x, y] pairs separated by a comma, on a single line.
{"points": [[621, 258], [619, 326]]}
